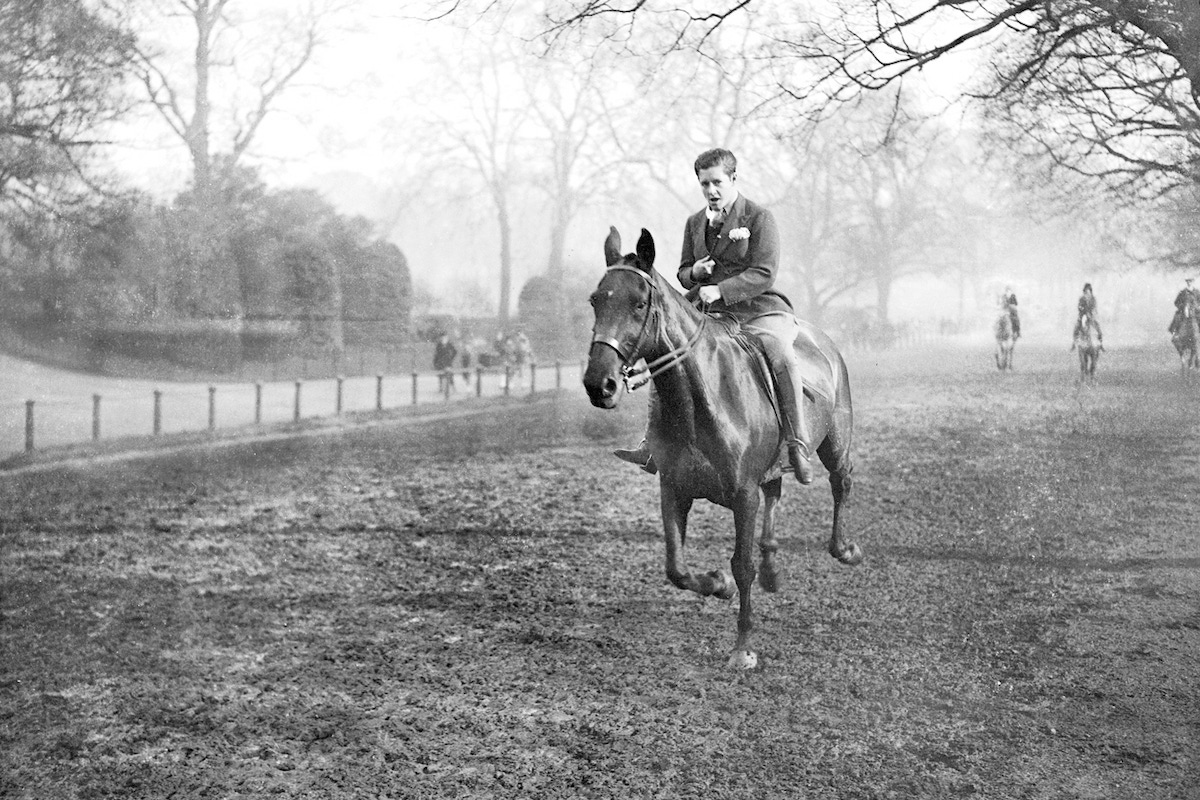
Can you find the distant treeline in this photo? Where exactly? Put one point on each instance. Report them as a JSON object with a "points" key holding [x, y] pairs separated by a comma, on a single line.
{"points": [[240, 272]]}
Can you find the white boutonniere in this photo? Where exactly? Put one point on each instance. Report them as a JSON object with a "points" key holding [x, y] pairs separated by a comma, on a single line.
{"points": [[737, 234]]}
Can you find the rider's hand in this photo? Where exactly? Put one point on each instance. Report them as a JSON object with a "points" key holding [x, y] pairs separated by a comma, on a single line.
{"points": [[710, 294], [703, 268]]}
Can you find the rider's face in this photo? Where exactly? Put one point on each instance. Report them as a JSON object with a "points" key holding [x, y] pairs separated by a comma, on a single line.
{"points": [[718, 187]]}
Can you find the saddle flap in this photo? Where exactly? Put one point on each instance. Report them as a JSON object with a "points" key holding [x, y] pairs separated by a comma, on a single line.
{"points": [[816, 376]]}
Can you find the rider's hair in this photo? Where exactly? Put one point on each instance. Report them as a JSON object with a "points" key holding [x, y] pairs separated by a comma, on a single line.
{"points": [[1087, 287], [717, 157]]}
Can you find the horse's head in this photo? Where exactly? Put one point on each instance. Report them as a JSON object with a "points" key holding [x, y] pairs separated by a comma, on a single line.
{"points": [[623, 304]]}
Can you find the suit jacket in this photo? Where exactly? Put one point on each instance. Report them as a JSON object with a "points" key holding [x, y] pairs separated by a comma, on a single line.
{"points": [[745, 270]]}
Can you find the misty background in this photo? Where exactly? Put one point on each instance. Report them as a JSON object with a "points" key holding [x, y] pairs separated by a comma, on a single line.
{"points": [[211, 183]]}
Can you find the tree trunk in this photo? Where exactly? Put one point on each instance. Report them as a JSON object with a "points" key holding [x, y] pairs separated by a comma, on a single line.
{"points": [[337, 308], [505, 258], [555, 266], [197, 132], [883, 293]]}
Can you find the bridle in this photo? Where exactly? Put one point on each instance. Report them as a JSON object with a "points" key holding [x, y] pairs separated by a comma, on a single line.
{"points": [[637, 377]]}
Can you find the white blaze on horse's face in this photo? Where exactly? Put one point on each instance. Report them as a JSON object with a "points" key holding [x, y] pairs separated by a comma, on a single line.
{"points": [[718, 187]]}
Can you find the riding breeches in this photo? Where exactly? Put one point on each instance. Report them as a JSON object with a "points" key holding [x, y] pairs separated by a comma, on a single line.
{"points": [[777, 332]]}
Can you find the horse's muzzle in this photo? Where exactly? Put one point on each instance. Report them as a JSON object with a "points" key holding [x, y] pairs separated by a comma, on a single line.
{"points": [[602, 378]]}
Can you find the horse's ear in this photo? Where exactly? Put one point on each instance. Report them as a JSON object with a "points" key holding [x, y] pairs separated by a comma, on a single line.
{"points": [[645, 249], [612, 246]]}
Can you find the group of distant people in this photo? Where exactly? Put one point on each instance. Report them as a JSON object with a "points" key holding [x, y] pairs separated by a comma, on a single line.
{"points": [[507, 348], [1085, 318], [1187, 305]]}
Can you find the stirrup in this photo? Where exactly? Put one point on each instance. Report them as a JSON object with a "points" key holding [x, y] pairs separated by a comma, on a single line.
{"points": [[800, 459]]}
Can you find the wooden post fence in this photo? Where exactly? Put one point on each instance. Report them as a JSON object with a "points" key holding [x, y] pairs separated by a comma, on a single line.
{"points": [[28, 426], [379, 393], [296, 408], [157, 412], [95, 417], [257, 403], [212, 408], [339, 395]]}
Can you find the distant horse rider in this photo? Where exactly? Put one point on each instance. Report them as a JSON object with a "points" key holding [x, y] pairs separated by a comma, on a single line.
{"points": [[729, 264], [444, 354], [465, 360], [1187, 303], [522, 351], [1008, 302], [1086, 307]]}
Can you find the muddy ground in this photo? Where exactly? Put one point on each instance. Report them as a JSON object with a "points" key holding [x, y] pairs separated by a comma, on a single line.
{"points": [[477, 608]]}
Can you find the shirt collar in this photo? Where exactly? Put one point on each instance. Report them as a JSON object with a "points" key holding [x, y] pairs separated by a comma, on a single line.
{"points": [[723, 213]]}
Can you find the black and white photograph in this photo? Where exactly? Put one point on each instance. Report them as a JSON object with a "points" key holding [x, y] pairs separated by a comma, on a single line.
{"points": [[600, 399]]}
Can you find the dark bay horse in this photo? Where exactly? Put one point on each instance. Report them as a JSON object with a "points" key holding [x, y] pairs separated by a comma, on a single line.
{"points": [[714, 431], [1089, 349], [1005, 341]]}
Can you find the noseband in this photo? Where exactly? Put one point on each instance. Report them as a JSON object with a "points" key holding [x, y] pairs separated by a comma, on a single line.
{"points": [[637, 377]]}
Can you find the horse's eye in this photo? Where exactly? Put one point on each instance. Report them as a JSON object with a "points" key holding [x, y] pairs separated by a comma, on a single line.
{"points": [[641, 304]]}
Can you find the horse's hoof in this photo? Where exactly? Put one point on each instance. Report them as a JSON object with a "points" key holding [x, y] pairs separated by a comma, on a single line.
{"points": [[768, 579], [851, 556], [724, 586], [743, 659]]}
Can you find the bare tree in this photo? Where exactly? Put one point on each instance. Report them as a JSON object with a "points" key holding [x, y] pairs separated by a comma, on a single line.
{"points": [[571, 101], [902, 198], [1127, 70], [813, 213], [222, 57], [481, 131], [61, 69]]}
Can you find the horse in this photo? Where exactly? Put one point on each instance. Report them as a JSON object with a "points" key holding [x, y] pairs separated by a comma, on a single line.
{"points": [[1004, 342], [1089, 349], [1186, 339], [714, 430]]}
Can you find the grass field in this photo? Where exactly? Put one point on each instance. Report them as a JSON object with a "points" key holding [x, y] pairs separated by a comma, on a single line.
{"points": [[476, 607]]}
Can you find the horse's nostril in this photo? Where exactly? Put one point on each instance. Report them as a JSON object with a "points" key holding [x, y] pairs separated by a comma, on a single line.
{"points": [[610, 387]]}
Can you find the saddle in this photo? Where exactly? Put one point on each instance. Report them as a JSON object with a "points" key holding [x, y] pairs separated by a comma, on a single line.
{"points": [[816, 371]]}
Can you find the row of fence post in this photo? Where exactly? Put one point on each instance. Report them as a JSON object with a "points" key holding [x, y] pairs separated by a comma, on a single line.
{"points": [[445, 378]]}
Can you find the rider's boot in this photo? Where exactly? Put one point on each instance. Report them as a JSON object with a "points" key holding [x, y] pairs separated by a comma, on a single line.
{"points": [[791, 405], [639, 455]]}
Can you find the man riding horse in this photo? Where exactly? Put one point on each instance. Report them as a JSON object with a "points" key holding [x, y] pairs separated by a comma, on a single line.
{"points": [[1187, 303], [1086, 316], [1008, 302], [729, 263]]}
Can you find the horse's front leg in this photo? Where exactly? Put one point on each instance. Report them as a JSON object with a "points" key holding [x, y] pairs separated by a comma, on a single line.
{"points": [[745, 510], [675, 509]]}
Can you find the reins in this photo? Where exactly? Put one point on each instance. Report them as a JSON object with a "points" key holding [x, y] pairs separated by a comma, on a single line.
{"points": [[637, 377]]}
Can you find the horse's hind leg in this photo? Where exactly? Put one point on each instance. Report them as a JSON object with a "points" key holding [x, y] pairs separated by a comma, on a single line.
{"points": [[841, 483], [768, 575]]}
